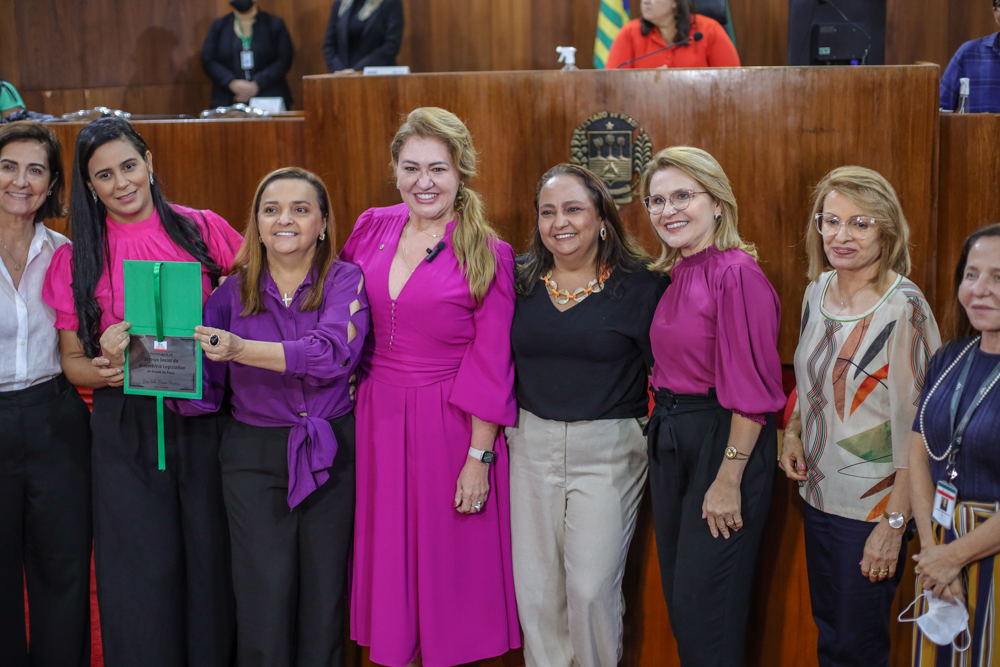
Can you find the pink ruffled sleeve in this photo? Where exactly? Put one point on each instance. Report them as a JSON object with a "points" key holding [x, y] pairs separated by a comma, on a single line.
{"points": [[223, 241], [57, 290], [747, 365], [360, 231], [484, 386]]}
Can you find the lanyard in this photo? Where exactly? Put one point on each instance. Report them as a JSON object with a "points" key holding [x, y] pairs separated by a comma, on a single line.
{"points": [[243, 38], [958, 432]]}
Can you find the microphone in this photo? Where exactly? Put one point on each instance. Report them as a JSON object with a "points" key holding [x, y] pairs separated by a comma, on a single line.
{"points": [[431, 254], [697, 37]]}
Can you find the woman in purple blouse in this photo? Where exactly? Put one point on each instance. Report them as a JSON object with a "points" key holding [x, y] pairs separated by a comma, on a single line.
{"points": [[717, 377], [293, 320]]}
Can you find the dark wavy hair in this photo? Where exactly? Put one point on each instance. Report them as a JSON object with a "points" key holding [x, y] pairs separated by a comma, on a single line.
{"points": [[960, 324], [619, 251], [682, 19], [29, 130], [91, 253]]}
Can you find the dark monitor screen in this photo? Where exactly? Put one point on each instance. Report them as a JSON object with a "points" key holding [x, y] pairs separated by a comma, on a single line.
{"points": [[819, 34]]}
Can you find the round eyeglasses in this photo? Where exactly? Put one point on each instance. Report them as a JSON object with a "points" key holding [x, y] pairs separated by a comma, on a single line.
{"points": [[858, 226], [679, 200]]}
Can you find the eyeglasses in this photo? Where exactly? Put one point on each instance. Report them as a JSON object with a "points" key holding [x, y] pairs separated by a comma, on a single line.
{"points": [[679, 200], [858, 226]]}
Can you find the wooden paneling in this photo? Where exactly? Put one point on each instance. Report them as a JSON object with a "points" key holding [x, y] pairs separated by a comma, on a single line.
{"points": [[213, 164], [763, 125], [62, 55], [970, 172]]}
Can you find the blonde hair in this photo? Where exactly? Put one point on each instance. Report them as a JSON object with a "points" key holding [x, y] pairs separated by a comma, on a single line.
{"points": [[869, 191], [705, 169], [473, 237], [251, 260]]}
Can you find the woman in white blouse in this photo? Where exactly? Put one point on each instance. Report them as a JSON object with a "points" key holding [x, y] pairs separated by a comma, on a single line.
{"points": [[45, 520], [867, 334]]}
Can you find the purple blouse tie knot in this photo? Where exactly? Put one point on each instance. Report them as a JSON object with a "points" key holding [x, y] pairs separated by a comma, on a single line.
{"points": [[312, 446]]}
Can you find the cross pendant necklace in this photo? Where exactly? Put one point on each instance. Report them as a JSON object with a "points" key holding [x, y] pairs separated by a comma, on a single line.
{"points": [[287, 298]]}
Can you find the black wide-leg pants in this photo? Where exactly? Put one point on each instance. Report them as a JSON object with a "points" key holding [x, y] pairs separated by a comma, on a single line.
{"points": [[706, 581], [161, 540], [289, 567], [45, 525]]}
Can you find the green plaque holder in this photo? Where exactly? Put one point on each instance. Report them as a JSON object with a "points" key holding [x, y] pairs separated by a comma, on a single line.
{"points": [[163, 304]]}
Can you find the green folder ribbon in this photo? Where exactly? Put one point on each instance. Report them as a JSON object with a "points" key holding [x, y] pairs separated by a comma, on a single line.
{"points": [[161, 447]]}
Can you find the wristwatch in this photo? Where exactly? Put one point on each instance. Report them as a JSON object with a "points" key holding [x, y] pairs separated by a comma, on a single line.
{"points": [[734, 454], [480, 455], [896, 520]]}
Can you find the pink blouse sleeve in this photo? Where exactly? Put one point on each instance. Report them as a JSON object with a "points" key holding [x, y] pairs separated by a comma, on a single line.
{"points": [[57, 290], [361, 229], [484, 386], [747, 365], [223, 241]]}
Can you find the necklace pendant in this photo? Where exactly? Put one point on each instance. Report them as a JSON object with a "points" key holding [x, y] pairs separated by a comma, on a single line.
{"points": [[17, 267], [287, 299]]}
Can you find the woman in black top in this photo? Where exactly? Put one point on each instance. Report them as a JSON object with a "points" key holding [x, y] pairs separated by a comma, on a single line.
{"points": [[247, 54], [580, 338], [362, 33]]}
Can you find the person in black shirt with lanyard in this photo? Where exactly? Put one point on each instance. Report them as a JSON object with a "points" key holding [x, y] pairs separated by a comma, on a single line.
{"points": [[247, 54], [955, 469], [580, 339]]}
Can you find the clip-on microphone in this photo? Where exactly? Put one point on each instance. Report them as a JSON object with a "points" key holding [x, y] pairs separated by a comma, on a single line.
{"points": [[431, 254]]}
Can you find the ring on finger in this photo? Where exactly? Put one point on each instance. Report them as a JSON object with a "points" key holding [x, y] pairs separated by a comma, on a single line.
{"points": [[213, 340], [730, 522]]}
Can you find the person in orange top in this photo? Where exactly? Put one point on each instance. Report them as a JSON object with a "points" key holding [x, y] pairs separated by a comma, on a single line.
{"points": [[696, 40]]}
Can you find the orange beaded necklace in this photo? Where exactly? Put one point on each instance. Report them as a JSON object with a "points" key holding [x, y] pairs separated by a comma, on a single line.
{"points": [[580, 293]]}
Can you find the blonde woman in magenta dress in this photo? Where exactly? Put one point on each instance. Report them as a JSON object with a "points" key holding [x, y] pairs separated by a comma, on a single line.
{"points": [[433, 580]]}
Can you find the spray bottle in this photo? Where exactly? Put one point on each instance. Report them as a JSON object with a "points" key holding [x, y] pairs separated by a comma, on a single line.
{"points": [[567, 54]]}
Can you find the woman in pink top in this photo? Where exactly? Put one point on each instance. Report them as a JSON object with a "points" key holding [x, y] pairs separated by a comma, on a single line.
{"points": [[717, 377], [161, 540], [432, 564]]}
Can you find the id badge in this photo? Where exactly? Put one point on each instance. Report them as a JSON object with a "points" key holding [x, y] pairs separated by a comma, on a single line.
{"points": [[944, 504], [246, 60]]}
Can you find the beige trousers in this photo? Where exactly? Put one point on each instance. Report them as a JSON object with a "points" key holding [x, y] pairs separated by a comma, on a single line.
{"points": [[575, 489]]}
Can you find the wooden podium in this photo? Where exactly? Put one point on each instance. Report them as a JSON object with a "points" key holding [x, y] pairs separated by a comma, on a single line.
{"points": [[776, 132]]}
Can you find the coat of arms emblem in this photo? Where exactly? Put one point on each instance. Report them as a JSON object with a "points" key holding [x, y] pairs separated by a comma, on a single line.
{"points": [[616, 148]]}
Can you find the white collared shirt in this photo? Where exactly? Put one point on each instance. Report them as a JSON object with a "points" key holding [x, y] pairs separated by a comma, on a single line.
{"points": [[28, 337]]}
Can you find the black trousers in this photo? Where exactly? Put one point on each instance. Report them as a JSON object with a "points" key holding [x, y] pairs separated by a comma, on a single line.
{"points": [[706, 581], [161, 542], [289, 567], [851, 613], [45, 529]]}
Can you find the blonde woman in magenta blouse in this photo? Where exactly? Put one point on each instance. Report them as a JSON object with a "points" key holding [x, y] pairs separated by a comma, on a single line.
{"points": [[866, 338], [717, 377]]}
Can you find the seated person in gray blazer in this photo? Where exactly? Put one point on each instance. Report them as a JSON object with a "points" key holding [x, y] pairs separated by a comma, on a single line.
{"points": [[363, 33]]}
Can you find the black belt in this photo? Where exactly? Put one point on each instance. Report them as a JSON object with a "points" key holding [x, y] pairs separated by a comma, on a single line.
{"points": [[667, 405], [39, 393]]}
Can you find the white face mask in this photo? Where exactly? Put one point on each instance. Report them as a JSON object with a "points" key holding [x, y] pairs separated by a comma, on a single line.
{"points": [[943, 622]]}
